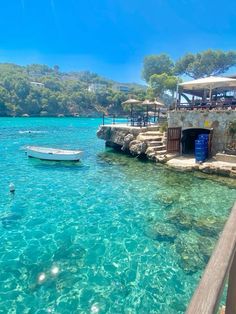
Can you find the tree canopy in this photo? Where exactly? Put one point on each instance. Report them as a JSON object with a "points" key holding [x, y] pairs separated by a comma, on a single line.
{"points": [[157, 64], [162, 73], [40, 90], [162, 82], [206, 63]]}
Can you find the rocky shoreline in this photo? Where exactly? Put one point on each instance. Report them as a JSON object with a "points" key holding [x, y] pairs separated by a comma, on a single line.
{"points": [[150, 142]]}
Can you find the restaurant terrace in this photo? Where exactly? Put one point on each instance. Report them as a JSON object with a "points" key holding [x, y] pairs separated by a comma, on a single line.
{"points": [[207, 93]]}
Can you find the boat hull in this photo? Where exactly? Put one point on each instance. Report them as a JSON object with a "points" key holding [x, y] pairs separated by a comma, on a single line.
{"points": [[53, 156]]}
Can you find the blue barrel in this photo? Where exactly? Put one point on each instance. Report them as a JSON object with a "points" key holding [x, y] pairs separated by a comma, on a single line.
{"points": [[200, 144], [200, 150], [205, 138]]}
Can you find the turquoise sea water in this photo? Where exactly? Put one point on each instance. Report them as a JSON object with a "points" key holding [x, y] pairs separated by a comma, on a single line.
{"points": [[111, 234]]}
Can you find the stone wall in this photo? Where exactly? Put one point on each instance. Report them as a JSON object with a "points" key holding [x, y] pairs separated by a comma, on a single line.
{"points": [[146, 142], [218, 120], [118, 135]]}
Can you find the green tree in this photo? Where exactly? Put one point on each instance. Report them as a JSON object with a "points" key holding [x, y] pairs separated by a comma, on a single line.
{"points": [[161, 83], [157, 64], [206, 63], [22, 88]]}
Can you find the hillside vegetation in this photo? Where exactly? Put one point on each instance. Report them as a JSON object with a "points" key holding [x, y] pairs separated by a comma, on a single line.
{"points": [[38, 90]]}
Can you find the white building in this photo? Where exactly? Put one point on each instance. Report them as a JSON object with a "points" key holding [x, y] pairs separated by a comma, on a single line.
{"points": [[96, 87], [121, 88], [37, 84]]}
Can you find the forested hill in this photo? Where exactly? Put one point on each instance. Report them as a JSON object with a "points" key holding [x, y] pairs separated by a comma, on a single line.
{"points": [[38, 90]]}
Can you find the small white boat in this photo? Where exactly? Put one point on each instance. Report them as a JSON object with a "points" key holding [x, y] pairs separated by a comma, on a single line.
{"points": [[55, 154]]}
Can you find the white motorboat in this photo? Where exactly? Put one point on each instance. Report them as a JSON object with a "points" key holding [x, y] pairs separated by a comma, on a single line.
{"points": [[55, 154]]}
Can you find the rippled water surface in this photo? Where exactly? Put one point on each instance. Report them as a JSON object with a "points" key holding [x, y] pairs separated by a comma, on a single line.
{"points": [[108, 235]]}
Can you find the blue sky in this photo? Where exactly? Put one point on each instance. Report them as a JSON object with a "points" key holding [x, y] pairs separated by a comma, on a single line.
{"points": [[111, 37]]}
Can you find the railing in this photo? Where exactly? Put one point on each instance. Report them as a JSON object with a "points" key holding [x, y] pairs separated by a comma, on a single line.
{"points": [[206, 105], [138, 121], [222, 264], [113, 119]]}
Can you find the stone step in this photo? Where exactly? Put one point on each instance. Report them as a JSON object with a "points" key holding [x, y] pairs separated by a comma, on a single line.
{"points": [[151, 155], [148, 133], [156, 150], [159, 148], [150, 151], [161, 152], [225, 157], [154, 144], [149, 138], [153, 132]]}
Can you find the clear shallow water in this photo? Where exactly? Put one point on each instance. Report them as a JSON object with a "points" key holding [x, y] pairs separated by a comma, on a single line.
{"points": [[120, 235]]}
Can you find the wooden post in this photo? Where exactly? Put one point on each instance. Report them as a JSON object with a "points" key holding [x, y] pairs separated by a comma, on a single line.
{"points": [[231, 293], [103, 118], [207, 296]]}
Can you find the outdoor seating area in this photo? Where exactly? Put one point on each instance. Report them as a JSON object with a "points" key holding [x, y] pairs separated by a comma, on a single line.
{"points": [[212, 93], [143, 113], [142, 120], [213, 105]]}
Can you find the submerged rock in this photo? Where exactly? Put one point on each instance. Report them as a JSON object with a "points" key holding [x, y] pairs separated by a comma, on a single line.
{"points": [[163, 232], [207, 226], [190, 258], [167, 198], [180, 219], [194, 251], [69, 252], [10, 220]]}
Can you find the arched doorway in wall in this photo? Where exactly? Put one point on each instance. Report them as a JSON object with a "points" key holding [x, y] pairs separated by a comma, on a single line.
{"points": [[188, 139]]}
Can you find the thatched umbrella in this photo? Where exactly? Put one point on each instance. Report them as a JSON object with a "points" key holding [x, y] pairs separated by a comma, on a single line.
{"points": [[147, 103], [158, 105], [131, 102]]}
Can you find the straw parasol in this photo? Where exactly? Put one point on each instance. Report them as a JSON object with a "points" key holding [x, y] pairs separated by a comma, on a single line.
{"points": [[158, 104], [131, 102], [147, 103], [155, 103]]}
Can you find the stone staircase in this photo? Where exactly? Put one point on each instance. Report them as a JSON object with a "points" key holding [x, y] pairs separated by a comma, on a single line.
{"points": [[156, 144]]}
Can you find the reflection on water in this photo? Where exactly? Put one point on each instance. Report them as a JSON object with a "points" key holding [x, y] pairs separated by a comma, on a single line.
{"points": [[108, 235]]}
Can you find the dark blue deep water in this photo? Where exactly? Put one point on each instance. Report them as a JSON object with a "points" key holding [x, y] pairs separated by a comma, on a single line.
{"points": [[110, 234]]}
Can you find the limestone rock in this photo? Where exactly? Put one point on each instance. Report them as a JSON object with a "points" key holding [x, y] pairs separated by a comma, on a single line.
{"points": [[137, 147], [127, 139]]}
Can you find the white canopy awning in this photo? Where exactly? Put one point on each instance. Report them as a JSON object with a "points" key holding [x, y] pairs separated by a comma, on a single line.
{"points": [[210, 82]]}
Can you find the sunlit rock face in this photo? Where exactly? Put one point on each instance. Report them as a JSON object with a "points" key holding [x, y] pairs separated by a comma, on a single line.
{"points": [[123, 137], [129, 139], [137, 147]]}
